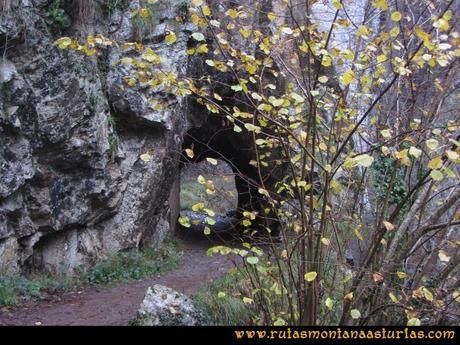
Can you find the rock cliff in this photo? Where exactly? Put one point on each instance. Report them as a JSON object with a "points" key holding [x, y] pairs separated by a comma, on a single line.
{"points": [[72, 185]]}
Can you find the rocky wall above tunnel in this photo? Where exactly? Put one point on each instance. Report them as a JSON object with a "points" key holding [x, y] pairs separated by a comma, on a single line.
{"points": [[72, 185]]}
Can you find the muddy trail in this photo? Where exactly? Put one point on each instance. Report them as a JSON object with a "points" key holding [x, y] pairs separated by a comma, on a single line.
{"points": [[117, 304]]}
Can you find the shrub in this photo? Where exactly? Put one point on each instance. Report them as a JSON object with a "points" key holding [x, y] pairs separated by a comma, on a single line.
{"points": [[220, 309]]}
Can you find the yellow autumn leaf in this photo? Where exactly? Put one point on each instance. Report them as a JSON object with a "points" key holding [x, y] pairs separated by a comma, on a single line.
{"points": [[144, 13], [232, 13], [386, 133], [420, 33], [401, 275], [263, 192], [310, 276], [206, 11], [210, 189], [170, 38], [388, 226], [323, 79], [414, 322], [415, 152], [393, 298], [326, 61], [456, 296], [381, 4], [442, 255], [198, 207], [396, 16], [146, 157], [378, 278], [185, 222], [435, 163], [358, 234], [189, 153], [212, 160], [63, 42], [452, 155], [247, 300], [348, 77], [427, 294]]}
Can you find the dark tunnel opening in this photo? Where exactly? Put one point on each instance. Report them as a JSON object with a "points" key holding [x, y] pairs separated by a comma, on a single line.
{"points": [[234, 157]]}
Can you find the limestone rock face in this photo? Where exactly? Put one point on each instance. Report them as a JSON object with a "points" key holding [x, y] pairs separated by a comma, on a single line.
{"points": [[72, 185], [163, 306]]}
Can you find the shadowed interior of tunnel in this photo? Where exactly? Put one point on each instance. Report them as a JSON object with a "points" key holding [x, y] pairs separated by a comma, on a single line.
{"points": [[219, 184]]}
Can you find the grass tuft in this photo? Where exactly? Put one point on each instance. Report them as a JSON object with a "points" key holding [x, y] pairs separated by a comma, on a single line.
{"points": [[223, 311]]}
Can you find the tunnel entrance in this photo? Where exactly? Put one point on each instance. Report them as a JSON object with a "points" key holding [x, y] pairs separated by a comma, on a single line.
{"points": [[208, 200], [218, 174], [219, 195]]}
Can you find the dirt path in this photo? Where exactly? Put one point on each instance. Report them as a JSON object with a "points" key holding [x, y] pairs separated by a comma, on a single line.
{"points": [[116, 305]]}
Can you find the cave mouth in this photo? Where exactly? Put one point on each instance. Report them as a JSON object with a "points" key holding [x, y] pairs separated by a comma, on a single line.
{"points": [[208, 198]]}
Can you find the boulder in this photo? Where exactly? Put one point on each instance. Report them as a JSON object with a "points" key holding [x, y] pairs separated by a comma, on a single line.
{"points": [[162, 306]]}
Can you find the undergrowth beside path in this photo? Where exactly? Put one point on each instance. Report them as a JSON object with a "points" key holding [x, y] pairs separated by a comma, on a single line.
{"points": [[118, 267]]}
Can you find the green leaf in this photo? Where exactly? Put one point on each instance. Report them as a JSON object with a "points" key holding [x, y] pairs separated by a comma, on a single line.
{"points": [[364, 160], [247, 300], [210, 221], [279, 322], [415, 152], [237, 129], [329, 303], [253, 260], [198, 36], [436, 175], [355, 313], [386, 133], [414, 322], [184, 221], [252, 128], [432, 144]]}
